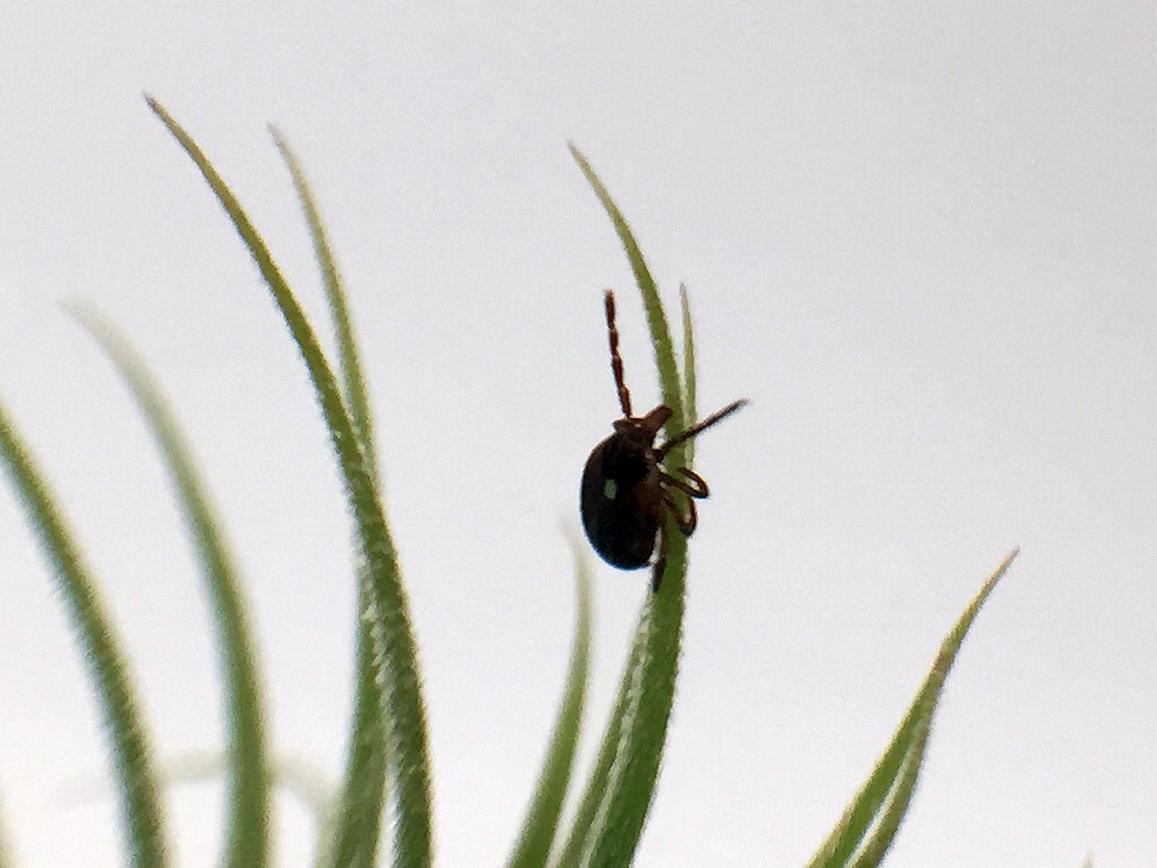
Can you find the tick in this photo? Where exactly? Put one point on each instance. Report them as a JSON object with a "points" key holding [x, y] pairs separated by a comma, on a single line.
{"points": [[626, 491]]}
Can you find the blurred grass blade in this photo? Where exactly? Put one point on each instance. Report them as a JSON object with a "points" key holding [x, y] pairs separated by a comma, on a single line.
{"points": [[592, 797], [689, 396], [299, 779], [296, 777], [541, 823], [357, 828], [894, 778], [636, 735], [403, 707], [247, 817], [618, 825], [132, 756]]}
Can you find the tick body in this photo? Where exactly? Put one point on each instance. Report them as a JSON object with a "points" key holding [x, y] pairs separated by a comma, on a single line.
{"points": [[626, 491]]}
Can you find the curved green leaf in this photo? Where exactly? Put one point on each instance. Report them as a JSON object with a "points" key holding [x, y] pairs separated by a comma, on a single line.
{"points": [[896, 804], [541, 823], [296, 777], [357, 829], [247, 820], [633, 745], [884, 798], [618, 825], [669, 381], [354, 382], [403, 707], [597, 786], [132, 755]]}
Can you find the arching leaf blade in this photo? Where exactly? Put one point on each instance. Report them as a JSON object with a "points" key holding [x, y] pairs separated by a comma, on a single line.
{"points": [[247, 818], [637, 733], [669, 380], [597, 781], [403, 707], [115, 692], [897, 770], [357, 826], [541, 823]]}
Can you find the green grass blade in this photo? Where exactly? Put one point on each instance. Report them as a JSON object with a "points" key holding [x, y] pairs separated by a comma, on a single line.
{"points": [[359, 814], [403, 707], [597, 783], [649, 686], [310, 787], [355, 836], [296, 777], [893, 810], [656, 318], [131, 753], [541, 823], [247, 818], [618, 826], [894, 778], [351, 365], [689, 396]]}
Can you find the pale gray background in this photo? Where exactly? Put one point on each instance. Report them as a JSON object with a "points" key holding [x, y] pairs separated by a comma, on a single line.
{"points": [[921, 240]]}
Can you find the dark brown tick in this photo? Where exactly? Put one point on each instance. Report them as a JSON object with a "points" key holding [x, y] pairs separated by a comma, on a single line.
{"points": [[626, 492]]}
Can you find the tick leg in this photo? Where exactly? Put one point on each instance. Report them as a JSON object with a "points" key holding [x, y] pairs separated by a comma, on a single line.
{"points": [[616, 359], [699, 428], [685, 521], [695, 486]]}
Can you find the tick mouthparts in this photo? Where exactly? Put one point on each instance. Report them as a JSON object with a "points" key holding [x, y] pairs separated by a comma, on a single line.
{"points": [[654, 421]]}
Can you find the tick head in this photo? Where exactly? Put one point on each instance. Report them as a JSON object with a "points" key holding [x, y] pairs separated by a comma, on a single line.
{"points": [[642, 430]]}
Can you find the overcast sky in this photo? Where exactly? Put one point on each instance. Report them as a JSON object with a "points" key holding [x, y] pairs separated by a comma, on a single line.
{"points": [[922, 241]]}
